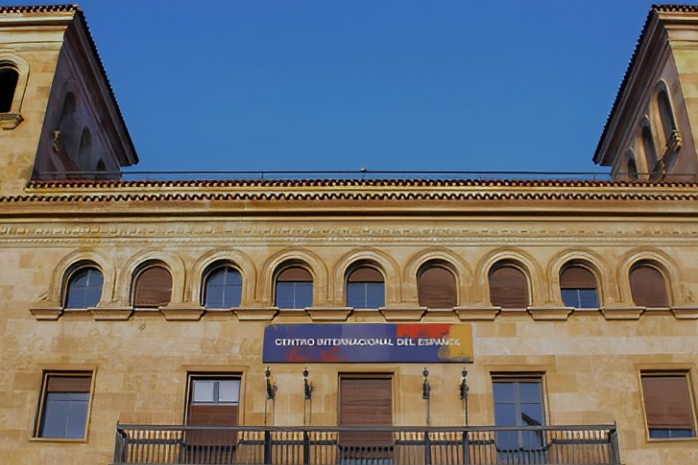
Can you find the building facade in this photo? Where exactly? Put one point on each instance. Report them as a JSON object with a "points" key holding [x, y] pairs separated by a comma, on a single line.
{"points": [[279, 321]]}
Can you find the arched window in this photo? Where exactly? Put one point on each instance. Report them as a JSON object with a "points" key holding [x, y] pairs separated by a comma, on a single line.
{"points": [[578, 287], [294, 288], [648, 286], [152, 288], [436, 287], [508, 287], [365, 288], [85, 150], [649, 148], [8, 86], [222, 288], [666, 114], [84, 289]]}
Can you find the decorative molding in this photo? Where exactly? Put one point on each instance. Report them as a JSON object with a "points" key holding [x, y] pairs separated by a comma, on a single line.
{"points": [[477, 313], [402, 313], [685, 312], [329, 313], [554, 313], [622, 312], [256, 313], [9, 121], [46, 313], [111, 313], [182, 312]]}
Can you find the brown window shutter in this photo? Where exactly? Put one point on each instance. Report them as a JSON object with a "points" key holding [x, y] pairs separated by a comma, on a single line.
{"points": [[212, 415], [365, 274], [648, 287], [667, 402], [508, 288], [577, 277], [59, 383], [295, 274], [366, 402], [436, 288], [153, 288]]}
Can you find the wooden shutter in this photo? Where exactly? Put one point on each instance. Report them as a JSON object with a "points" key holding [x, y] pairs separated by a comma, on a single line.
{"points": [[436, 288], [365, 402], [365, 274], [295, 274], [667, 402], [59, 383], [577, 277], [508, 288], [648, 287], [210, 415], [153, 288]]}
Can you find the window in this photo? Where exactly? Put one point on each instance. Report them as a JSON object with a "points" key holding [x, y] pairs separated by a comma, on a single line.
{"points": [[578, 287], [648, 287], [153, 288], [84, 289], [213, 401], [436, 287], [649, 148], [223, 288], [666, 115], [518, 401], [64, 405], [508, 287], [294, 288], [668, 406], [8, 86], [365, 288]]}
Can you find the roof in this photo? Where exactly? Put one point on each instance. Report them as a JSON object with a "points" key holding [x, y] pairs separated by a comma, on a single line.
{"points": [[634, 62], [43, 10]]}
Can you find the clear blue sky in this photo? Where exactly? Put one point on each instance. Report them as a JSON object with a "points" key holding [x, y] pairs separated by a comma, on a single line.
{"points": [[386, 85]]}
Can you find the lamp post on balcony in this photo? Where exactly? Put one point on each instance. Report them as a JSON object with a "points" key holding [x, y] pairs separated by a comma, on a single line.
{"points": [[270, 393], [307, 396], [464, 394], [426, 392]]}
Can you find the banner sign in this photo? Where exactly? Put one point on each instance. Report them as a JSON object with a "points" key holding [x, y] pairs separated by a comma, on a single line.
{"points": [[368, 343]]}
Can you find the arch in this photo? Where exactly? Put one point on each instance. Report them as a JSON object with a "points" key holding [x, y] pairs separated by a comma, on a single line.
{"points": [[436, 285], [369, 257], [525, 263], [606, 288], [84, 150], [264, 288], [67, 130], [171, 261], [649, 148], [84, 287], [72, 262], [236, 259], [654, 259], [151, 285], [648, 285], [15, 70], [631, 165], [445, 258], [665, 111], [365, 286]]}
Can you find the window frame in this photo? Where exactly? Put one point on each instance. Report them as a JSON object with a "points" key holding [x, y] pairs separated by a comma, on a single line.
{"points": [[212, 270], [578, 290], [295, 306], [422, 300], [662, 274], [527, 287], [518, 378], [364, 285], [12, 118], [70, 276], [686, 375], [43, 397]]}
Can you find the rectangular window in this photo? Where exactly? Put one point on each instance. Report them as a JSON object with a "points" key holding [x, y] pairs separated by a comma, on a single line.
{"points": [[64, 405], [518, 402], [668, 405], [214, 400]]}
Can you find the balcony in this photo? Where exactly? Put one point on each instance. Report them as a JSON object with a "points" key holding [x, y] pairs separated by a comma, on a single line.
{"points": [[371, 445]]}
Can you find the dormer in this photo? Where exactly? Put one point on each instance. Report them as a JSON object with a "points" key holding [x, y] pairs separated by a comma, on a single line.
{"points": [[58, 115], [650, 133]]}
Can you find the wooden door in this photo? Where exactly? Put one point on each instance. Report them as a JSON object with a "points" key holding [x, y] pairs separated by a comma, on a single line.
{"points": [[366, 402]]}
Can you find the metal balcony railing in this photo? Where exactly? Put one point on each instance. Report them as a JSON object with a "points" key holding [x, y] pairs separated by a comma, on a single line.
{"points": [[371, 445]]}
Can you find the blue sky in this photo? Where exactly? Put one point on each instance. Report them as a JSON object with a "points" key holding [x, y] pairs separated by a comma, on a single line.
{"points": [[385, 85]]}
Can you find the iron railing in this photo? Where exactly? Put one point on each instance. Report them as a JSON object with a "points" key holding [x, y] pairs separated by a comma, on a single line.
{"points": [[371, 445]]}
